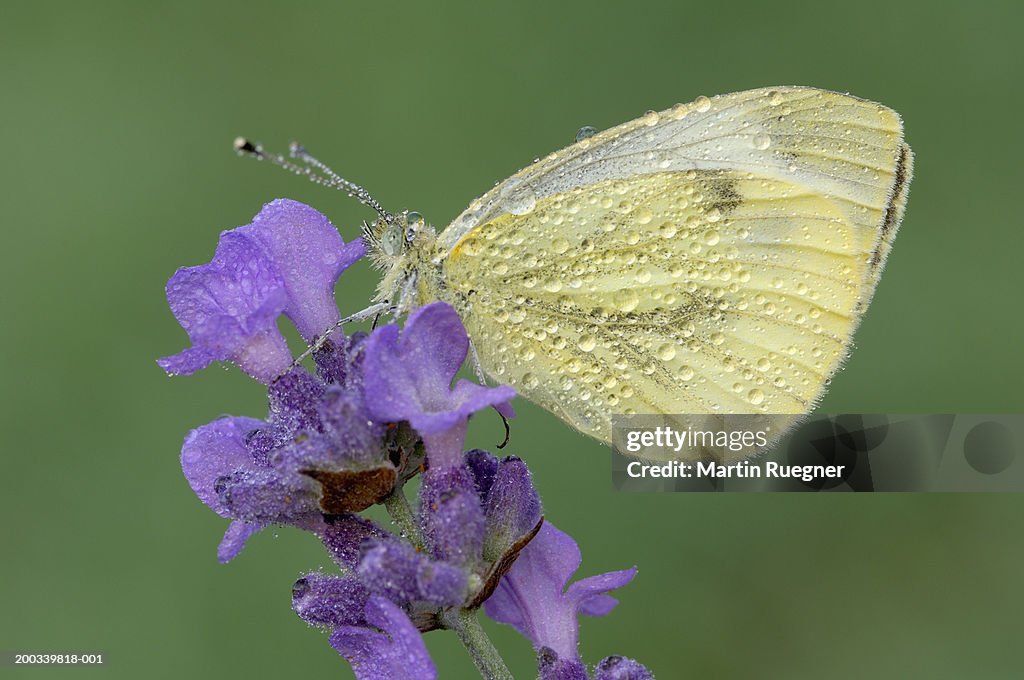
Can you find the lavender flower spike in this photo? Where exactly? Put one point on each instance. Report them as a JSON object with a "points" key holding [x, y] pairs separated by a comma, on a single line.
{"points": [[409, 377], [286, 261], [533, 597]]}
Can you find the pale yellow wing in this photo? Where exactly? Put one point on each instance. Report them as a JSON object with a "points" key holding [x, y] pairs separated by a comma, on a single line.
{"points": [[644, 274]]}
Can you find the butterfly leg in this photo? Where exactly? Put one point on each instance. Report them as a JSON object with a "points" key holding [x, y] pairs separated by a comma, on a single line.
{"points": [[406, 298], [477, 366], [361, 315]]}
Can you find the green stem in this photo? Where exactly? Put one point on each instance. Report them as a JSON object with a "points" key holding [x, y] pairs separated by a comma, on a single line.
{"points": [[485, 656], [401, 514]]}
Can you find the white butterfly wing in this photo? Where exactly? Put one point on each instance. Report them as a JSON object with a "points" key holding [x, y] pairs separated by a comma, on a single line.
{"points": [[714, 258]]}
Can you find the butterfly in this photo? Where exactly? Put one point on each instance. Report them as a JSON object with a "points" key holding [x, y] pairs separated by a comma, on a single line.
{"points": [[712, 258]]}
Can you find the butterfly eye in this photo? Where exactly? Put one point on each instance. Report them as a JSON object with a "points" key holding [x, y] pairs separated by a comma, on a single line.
{"points": [[414, 220], [391, 241]]}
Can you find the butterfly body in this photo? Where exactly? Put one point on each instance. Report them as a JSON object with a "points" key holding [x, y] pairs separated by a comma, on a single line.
{"points": [[713, 258]]}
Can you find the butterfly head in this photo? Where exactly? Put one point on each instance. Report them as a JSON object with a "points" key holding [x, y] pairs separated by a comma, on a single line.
{"points": [[390, 237], [399, 245]]}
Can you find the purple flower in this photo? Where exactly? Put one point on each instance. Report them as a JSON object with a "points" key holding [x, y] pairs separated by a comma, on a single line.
{"points": [[553, 667], [218, 463], [451, 515], [316, 453], [229, 309], [388, 647], [513, 507], [286, 261], [330, 600], [309, 256], [533, 597], [343, 535], [409, 377], [372, 633], [329, 448], [621, 668], [395, 570]]}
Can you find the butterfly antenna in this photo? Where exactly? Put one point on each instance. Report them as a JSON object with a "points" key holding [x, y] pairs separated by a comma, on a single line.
{"points": [[313, 170]]}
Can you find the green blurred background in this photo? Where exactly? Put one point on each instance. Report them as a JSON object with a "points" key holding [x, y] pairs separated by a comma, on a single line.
{"points": [[116, 122]]}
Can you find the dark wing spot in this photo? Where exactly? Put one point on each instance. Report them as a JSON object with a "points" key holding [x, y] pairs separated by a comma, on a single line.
{"points": [[892, 210], [722, 193]]}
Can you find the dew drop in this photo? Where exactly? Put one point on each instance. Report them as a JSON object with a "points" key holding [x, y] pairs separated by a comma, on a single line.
{"points": [[585, 132], [626, 300], [755, 396], [667, 352], [519, 201], [702, 104], [761, 142], [679, 111], [552, 285], [587, 343]]}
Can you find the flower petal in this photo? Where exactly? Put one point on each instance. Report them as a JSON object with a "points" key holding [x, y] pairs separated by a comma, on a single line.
{"points": [[451, 515], [408, 377], [309, 256], [484, 467], [215, 451], [598, 605], [322, 600], [436, 343], [234, 540], [343, 535], [229, 309], [396, 653], [588, 593], [295, 401], [532, 596], [469, 397], [395, 570], [513, 507]]}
